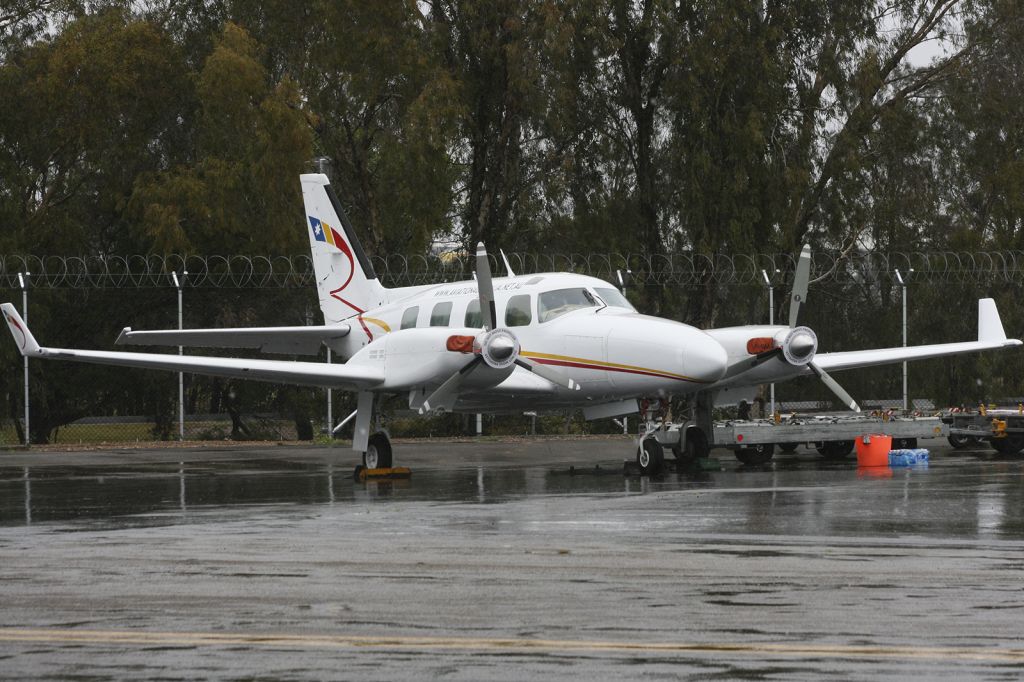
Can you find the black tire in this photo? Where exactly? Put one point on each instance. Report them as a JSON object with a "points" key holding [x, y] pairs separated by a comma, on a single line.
{"points": [[836, 449], [1011, 444], [378, 452], [959, 442], [650, 457], [761, 453], [788, 447], [904, 443], [696, 444]]}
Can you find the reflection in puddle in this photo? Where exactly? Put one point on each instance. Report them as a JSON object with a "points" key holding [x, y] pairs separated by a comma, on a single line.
{"points": [[962, 496]]}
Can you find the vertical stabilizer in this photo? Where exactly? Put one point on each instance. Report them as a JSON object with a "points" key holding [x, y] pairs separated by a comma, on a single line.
{"points": [[345, 280]]}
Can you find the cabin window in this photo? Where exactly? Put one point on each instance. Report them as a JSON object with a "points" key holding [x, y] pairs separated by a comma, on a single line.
{"points": [[441, 315], [614, 298], [552, 304], [517, 312], [409, 317], [473, 318]]}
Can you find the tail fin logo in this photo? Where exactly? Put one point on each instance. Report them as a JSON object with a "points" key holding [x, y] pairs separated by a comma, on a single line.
{"points": [[323, 232]]}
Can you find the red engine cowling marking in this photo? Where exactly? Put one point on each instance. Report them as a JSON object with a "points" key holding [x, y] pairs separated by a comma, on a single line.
{"points": [[460, 343], [760, 344]]}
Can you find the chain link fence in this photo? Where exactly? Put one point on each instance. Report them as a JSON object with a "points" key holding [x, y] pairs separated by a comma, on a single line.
{"points": [[854, 302]]}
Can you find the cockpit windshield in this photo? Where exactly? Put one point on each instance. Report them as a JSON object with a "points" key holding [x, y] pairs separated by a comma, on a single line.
{"points": [[615, 299], [552, 304]]}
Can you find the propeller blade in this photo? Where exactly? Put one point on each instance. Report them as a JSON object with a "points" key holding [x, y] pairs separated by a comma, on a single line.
{"points": [[557, 377], [485, 288], [834, 387], [800, 279], [444, 396]]}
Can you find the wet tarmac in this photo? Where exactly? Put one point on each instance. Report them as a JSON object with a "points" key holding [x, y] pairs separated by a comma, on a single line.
{"points": [[507, 561]]}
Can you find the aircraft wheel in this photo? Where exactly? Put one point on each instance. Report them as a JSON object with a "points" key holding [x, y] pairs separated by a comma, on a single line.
{"points": [[836, 449], [788, 447], [761, 453], [378, 452], [650, 457]]}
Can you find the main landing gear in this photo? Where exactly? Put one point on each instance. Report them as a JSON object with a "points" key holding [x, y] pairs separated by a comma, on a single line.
{"points": [[376, 447], [378, 452]]}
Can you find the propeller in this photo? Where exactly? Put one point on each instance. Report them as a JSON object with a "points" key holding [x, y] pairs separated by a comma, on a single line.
{"points": [[496, 347], [801, 279], [800, 343], [805, 344]]}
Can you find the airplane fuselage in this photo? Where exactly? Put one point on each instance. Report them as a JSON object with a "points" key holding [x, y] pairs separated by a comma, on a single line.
{"points": [[580, 324]]}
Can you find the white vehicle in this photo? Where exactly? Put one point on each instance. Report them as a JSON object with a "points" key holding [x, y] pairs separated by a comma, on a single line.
{"points": [[507, 344]]}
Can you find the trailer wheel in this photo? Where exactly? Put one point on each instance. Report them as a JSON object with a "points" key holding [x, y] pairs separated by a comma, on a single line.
{"points": [[959, 442], [904, 443], [836, 449], [761, 453], [788, 447], [1012, 444], [650, 457]]}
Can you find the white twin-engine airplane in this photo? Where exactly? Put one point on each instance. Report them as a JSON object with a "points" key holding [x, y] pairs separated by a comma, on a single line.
{"points": [[507, 344]]}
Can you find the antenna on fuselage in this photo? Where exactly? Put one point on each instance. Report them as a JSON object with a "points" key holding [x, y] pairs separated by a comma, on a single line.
{"points": [[507, 266]]}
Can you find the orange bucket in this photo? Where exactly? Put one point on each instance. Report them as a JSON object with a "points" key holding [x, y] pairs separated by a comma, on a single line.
{"points": [[873, 450]]}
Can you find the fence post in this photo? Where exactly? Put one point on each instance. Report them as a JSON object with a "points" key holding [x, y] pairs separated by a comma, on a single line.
{"points": [[23, 281]]}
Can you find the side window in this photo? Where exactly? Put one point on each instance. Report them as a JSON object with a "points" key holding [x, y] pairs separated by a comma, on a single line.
{"points": [[473, 318], [517, 312], [441, 315], [409, 317]]}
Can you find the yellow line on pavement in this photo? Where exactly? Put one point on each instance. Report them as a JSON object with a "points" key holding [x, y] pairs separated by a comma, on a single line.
{"points": [[270, 640]]}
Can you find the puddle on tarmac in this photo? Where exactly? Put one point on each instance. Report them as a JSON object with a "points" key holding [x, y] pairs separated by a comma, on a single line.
{"points": [[958, 496]]}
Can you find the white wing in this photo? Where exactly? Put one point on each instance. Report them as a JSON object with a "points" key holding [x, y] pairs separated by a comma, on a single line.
{"points": [[299, 340], [990, 336]]}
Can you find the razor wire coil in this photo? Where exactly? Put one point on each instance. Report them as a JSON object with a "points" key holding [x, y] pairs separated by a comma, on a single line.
{"points": [[676, 269]]}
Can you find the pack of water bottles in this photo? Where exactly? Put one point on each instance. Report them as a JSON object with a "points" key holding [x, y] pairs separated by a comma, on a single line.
{"points": [[908, 457]]}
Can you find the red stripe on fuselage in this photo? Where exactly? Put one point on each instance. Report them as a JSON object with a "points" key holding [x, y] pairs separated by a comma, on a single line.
{"points": [[580, 365]]}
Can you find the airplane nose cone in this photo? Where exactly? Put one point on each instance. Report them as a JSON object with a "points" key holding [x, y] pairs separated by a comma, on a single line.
{"points": [[802, 345], [704, 359]]}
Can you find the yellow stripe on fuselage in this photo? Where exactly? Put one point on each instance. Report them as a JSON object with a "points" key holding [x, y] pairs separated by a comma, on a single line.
{"points": [[614, 366], [380, 323]]}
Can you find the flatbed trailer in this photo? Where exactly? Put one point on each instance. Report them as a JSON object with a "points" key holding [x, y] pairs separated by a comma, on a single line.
{"points": [[832, 435], [823, 428], [1002, 428]]}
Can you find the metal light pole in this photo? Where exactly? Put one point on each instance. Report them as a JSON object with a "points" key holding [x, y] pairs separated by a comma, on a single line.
{"points": [[24, 315], [903, 285], [771, 320], [181, 376], [330, 412]]}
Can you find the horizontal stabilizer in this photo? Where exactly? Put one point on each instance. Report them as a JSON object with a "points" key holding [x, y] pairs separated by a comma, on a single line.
{"points": [[291, 340]]}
